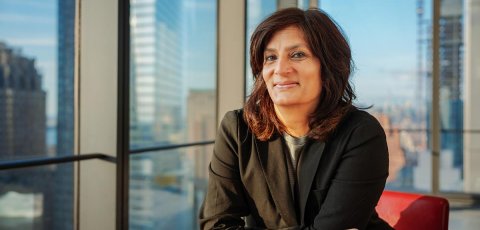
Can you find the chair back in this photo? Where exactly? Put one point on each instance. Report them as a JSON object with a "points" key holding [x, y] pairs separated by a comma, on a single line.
{"points": [[413, 211]]}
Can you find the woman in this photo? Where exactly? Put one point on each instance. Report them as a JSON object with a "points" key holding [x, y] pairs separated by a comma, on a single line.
{"points": [[299, 155]]}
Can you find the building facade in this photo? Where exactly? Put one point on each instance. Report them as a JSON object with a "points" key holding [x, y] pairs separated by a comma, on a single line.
{"points": [[155, 112], [451, 78], [22, 127], [22, 106], [63, 186]]}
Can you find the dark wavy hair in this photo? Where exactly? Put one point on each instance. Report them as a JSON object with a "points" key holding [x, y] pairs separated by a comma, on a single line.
{"points": [[327, 42]]}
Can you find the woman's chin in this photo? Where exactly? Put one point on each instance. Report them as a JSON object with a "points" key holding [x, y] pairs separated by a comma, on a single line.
{"points": [[284, 103]]}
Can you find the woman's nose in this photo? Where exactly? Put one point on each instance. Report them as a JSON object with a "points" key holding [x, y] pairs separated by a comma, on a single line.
{"points": [[282, 66]]}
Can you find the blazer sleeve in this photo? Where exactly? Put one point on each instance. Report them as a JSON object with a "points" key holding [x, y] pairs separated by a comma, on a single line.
{"points": [[359, 179], [225, 203]]}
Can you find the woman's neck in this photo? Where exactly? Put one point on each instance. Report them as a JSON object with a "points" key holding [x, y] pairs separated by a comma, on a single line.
{"points": [[294, 118]]}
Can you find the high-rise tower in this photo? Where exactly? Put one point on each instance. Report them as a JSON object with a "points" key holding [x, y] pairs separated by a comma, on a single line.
{"points": [[22, 126], [62, 190], [155, 106], [451, 78]]}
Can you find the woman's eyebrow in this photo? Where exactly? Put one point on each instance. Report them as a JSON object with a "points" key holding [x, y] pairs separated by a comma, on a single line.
{"points": [[295, 46]]}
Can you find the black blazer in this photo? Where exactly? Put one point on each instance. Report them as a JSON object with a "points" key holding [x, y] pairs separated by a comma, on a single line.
{"points": [[339, 181]]}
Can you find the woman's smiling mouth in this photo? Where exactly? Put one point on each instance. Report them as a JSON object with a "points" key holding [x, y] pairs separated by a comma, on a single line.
{"points": [[285, 85]]}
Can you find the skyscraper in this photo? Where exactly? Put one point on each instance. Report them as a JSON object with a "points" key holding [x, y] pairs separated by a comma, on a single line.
{"points": [[155, 112], [62, 190], [201, 126], [156, 52], [22, 126], [451, 78], [22, 106]]}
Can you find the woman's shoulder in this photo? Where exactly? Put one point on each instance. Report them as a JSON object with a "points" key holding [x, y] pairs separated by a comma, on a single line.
{"points": [[234, 126], [358, 116], [233, 117], [233, 120], [357, 128], [358, 119]]}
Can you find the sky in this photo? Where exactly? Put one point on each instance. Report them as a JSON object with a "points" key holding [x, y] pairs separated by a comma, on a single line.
{"points": [[199, 50], [31, 26], [382, 34], [383, 39]]}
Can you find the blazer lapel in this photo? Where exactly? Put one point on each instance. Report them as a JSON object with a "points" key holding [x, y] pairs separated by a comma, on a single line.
{"points": [[308, 164], [272, 159]]}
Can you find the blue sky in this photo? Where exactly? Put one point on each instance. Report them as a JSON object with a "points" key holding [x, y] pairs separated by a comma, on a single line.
{"points": [[382, 34], [383, 38], [199, 50], [31, 26]]}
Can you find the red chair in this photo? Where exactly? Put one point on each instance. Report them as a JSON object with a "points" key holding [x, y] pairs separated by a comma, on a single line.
{"points": [[408, 211]]}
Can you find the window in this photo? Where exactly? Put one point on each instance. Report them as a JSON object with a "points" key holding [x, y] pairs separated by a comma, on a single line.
{"points": [[256, 12], [172, 101], [394, 73], [36, 112], [390, 48]]}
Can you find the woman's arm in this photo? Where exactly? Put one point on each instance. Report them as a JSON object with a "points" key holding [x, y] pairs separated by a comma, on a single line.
{"points": [[359, 180], [225, 203]]}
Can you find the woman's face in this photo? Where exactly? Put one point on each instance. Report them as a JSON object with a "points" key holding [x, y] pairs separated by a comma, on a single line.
{"points": [[291, 71]]}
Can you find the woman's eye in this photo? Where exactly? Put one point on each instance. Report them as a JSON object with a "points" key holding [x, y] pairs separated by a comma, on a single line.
{"points": [[270, 58], [298, 55]]}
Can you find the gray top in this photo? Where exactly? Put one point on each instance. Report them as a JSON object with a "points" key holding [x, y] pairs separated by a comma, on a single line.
{"points": [[295, 145]]}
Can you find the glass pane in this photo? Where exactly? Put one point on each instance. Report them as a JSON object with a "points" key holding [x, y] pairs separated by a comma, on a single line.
{"points": [[29, 198], [451, 101], [168, 187], [173, 72], [173, 101], [256, 12], [36, 104], [390, 47], [459, 105]]}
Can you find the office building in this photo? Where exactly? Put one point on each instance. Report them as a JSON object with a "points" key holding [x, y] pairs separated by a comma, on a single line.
{"points": [[22, 127], [156, 111], [22, 106], [201, 126], [156, 52], [63, 187], [451, 78]]}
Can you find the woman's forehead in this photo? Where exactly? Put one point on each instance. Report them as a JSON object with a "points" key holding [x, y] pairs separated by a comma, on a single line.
{"points": [[290, 37]]}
